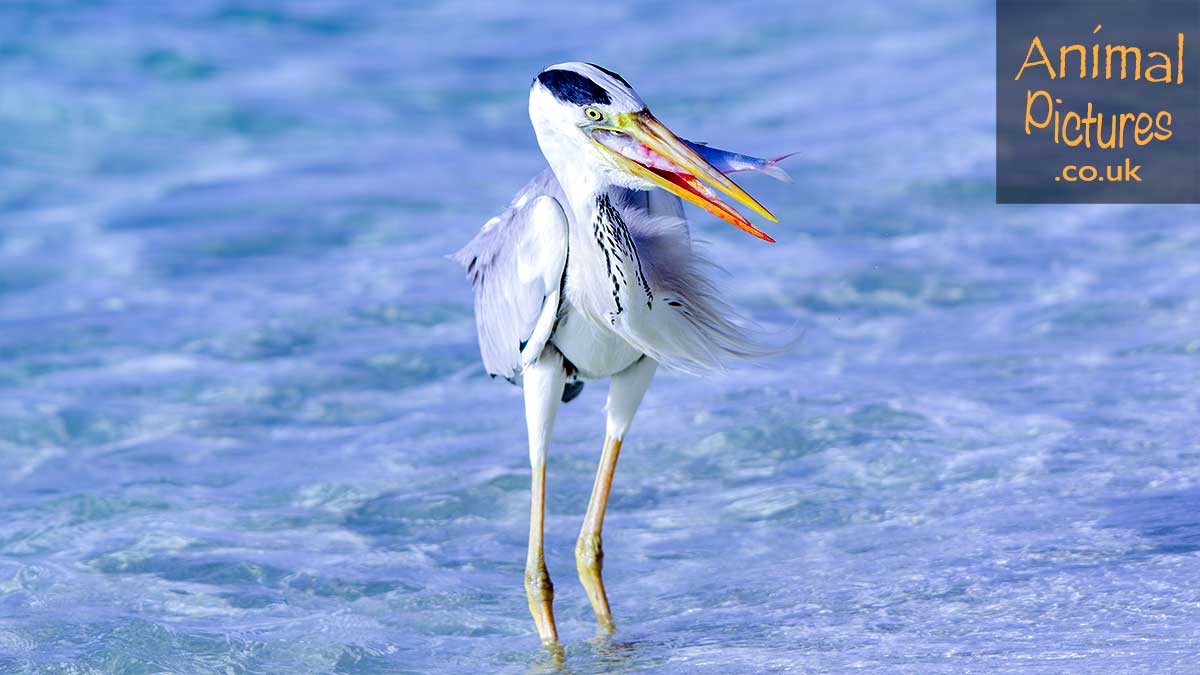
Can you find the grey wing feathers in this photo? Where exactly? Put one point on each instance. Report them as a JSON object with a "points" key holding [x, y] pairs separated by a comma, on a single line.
{"points": [[516, 264], [701, 333], [661, 203]]}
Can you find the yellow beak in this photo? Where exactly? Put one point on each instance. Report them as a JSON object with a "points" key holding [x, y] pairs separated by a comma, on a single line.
{"points": [[646, 148]]}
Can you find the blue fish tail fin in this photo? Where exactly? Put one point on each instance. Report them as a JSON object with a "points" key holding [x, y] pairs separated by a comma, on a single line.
{"points": [[771, 168]]}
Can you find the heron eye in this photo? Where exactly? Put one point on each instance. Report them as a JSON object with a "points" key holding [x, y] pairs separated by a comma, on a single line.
{"points": [[593, 114]]}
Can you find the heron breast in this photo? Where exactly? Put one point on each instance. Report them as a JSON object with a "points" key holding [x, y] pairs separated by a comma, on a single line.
{"points": [[595, 350]]}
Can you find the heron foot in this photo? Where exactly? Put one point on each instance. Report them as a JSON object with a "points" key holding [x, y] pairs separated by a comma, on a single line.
{"points": [[539, 590], [589, 561]]}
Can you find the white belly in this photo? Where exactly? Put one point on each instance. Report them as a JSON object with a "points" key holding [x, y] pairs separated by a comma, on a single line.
{"points": [[595, 350]]}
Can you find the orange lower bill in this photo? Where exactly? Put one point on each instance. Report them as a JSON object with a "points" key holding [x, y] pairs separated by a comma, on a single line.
{"points": [[635, 137], [708, 201]]}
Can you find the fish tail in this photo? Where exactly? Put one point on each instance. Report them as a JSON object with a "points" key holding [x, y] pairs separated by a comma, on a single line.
{"points": [[771, 168]]}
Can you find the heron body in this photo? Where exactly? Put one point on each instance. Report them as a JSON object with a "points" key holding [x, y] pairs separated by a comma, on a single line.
{"points": [[591, 273]]}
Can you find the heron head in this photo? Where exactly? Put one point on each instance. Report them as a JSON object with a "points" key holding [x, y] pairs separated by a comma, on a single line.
{"points": [[590, 119]]}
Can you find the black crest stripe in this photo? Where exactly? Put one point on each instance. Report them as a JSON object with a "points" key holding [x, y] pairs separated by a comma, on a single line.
{"points": [[571, 87], [611, 74]]}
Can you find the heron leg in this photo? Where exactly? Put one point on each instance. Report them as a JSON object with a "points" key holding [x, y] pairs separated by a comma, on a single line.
{"points": [[543, 385], [624, 396]]}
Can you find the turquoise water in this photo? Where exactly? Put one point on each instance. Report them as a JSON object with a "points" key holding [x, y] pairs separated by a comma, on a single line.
{"points": [[244, 427]]}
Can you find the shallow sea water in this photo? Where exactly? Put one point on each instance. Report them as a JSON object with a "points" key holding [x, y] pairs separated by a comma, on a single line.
{"points": [[244, 427]]}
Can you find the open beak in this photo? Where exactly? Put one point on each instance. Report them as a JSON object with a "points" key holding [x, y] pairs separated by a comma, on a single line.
{"points": [[644, 147]]}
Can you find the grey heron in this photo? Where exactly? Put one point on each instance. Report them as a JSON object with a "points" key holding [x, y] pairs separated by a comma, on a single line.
{"points": [[591, 273]]}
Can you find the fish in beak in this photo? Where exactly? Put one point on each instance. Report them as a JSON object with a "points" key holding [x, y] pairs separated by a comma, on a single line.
{"points": [[646, 148]]}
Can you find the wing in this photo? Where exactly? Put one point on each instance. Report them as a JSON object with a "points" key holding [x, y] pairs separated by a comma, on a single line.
{"points": [[516, 266], [695, 331]]}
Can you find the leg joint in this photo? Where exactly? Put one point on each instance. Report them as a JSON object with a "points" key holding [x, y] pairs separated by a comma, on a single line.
{"points": [[589, 552], [538, 584]]}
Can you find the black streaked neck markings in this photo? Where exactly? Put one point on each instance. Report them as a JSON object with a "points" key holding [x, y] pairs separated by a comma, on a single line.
{"points": [[614, 240], [571, 87]]}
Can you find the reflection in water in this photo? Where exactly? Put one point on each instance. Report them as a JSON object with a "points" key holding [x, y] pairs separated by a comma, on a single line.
{"points": [[613, 655], [552, 660]]}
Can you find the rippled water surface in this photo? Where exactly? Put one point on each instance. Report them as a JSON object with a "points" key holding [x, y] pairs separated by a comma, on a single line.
{"points": [[244, 427]]}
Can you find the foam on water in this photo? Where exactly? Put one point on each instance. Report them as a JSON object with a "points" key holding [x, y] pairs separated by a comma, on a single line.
{"points": [[244, 427]]}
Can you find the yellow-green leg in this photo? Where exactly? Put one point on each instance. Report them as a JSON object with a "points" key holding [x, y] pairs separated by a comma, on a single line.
{"points": [[538, 588], [589, 553], [543, 385], [624, 396]]}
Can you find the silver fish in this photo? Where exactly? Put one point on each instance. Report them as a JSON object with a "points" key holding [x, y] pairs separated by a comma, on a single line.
{"points": [[732, 162]]}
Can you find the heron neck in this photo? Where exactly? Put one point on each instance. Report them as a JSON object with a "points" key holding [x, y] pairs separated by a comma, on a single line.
{"points": [[582, 188], [603, 245]]}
